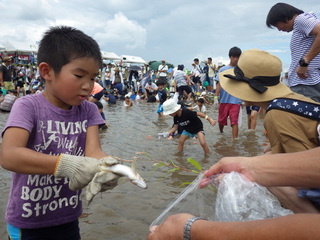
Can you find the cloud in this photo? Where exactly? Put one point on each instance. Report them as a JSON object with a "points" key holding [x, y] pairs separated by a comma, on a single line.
{"points": [[177, 31], [122, 31], [276, 51]]}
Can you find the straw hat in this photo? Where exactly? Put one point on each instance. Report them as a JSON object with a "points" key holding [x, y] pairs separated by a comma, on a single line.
{"points": [[170, 106], [7, 59], [256, 78]]}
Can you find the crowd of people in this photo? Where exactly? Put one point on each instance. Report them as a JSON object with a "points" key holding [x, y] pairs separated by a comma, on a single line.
{"points": [[71, 149], [292, 127]]}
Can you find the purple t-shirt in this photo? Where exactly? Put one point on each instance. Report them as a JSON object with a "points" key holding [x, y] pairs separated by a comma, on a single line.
{"points": [[37, 201]]}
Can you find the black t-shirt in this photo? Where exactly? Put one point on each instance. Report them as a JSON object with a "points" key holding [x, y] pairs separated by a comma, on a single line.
{"points": [[189, 121], [6, 71], [152, 98]]}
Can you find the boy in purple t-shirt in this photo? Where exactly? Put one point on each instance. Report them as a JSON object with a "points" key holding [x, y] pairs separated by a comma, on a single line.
{"points": [[51, 141]]}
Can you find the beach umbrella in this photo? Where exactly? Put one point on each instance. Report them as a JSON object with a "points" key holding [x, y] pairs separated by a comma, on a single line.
{"points": [[155, 65]]}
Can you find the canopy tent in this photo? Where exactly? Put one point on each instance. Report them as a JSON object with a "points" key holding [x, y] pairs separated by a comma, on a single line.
{"points": [[109, 56], [2, 48], [132, 59], [20, 47]]}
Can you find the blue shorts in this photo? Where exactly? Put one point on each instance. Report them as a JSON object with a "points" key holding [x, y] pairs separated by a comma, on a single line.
{"points": [[252, 108], [192, 135], [160, 109], [68, 231]]}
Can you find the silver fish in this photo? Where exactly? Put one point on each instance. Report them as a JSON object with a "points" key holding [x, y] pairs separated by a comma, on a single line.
{"points": [[126, 171]]}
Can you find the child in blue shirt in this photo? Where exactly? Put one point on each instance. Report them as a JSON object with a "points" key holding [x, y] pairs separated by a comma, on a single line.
{"points": [[162, 95]]}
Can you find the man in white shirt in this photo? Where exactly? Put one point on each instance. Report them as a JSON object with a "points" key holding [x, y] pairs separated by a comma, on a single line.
{"points": [[211, 74], [162, 69], [150, 87]]}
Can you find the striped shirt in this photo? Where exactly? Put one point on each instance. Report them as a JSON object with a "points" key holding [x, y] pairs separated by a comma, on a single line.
{"points": [[180, 78], [301, 42]]}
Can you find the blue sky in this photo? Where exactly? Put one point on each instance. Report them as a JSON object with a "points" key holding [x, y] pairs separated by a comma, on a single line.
{"points": [[177, 31]]}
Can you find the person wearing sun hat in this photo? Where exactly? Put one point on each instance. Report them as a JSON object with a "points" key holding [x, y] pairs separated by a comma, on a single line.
{"points": [[6, 74], [189, 121], [291, 119]]}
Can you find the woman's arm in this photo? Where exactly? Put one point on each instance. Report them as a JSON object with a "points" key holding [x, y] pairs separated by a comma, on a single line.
{"points": [[300, 169], [297, 226]]}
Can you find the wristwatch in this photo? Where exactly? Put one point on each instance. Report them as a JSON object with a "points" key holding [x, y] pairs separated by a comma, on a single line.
{"points": [[303, 63]]}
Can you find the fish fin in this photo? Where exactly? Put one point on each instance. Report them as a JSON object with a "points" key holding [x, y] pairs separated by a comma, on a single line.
{"points": [[123, 180], [134, 166]]}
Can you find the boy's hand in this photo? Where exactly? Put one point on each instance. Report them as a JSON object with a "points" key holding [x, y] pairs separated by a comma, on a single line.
{"points": [[79, 170], [212, 122], [102, 181]]}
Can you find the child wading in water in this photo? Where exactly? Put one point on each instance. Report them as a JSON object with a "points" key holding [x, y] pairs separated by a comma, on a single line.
{"points": [[189, 121], [54, 149], [162, 94]]}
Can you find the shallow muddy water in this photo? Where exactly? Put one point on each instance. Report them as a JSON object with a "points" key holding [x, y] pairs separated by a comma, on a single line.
{"points": [[126, 211]]}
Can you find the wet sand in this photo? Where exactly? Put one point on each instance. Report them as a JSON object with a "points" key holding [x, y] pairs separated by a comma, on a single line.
{"points": [[126, 211]]}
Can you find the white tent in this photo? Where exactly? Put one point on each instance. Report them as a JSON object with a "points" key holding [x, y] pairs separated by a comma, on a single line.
{"points": [[132, 59], [2, 48], [20, 47], [109, 56]]}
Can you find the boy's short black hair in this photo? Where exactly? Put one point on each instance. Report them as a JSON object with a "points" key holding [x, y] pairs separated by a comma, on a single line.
{"points": [[99, 105], [200, 100], [160, 83], [235, 52], [60, 45], [180, 67]]}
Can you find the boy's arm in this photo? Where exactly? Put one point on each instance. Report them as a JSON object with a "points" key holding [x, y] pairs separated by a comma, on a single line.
{"points": [[218, 87], [173, 129], [1, 78], [93, 146], [15, 156], [202, 115]]}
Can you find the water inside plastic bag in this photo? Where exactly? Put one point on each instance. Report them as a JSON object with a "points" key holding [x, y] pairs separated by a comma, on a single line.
{"points": [[234, 198]]}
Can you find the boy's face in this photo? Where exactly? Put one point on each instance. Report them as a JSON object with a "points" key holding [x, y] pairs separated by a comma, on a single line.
{"points": [[234, 60], [73, 84], [160, 87]]}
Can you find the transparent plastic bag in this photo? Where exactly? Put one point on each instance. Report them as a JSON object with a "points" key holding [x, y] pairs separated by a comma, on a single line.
{"points": [[239, 199], [193, 200], [234, 198]]}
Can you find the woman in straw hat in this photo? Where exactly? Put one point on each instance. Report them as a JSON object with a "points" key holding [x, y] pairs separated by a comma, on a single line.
{"points": [[189, 121], [291, 122]]}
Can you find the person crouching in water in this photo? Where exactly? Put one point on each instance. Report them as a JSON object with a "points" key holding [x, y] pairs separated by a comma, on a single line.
{"points": [[189, 121]]}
